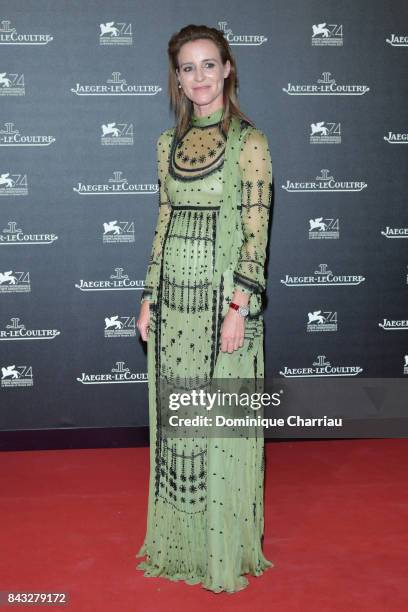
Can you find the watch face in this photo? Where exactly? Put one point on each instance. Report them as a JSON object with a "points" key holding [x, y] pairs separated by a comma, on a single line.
{"points": [[243, 310]]}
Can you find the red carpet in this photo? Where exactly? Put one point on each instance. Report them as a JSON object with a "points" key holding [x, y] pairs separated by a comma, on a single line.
{"points": [[336, 528]]}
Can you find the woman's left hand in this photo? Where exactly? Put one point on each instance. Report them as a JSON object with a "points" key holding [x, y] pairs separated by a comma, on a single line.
{"points": [[232, 331]]}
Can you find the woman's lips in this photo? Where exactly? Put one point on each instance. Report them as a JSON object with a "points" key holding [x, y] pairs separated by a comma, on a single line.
{"points": [[202, 87]]}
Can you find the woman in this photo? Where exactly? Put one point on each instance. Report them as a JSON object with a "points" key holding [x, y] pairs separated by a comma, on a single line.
{"points": [[201, 314]]}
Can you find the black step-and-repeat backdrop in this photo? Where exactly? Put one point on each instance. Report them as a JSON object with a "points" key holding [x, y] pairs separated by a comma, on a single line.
{"points": [[83, 96]]}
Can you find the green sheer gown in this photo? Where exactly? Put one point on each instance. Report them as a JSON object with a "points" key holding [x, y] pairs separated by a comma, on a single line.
{"points": [[205, 518]]}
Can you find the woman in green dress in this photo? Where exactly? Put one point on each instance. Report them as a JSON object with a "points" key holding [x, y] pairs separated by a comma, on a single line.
{"points": [[201, 315]]}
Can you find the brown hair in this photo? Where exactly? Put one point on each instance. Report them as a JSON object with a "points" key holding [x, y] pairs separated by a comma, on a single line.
{"points": [[183, 106]]}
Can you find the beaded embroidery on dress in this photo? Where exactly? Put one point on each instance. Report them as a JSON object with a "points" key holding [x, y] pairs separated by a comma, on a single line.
{"points": [[205, 510]]}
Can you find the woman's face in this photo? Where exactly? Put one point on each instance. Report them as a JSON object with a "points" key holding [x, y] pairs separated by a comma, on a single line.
{"points": [[201, 74]]}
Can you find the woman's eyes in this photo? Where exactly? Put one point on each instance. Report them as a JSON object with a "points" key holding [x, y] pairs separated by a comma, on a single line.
{"points": [[208, 64]]}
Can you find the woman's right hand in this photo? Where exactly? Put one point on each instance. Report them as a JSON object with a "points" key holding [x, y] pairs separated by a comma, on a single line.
{"points": [[144, 320]]}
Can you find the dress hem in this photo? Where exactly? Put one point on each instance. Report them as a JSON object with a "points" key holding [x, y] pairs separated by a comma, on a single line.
{"points": [[154, 571]]}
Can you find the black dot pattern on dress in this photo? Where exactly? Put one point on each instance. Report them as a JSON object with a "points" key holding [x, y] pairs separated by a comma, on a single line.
{"points": [[205, 517], [256, 184], [198, 153]]}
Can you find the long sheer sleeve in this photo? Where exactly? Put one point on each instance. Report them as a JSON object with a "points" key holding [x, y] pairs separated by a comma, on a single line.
{"points": [[163, 218], [256, 167]]}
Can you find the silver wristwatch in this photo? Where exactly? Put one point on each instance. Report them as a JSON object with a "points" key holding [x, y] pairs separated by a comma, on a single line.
{"points": [[243, 310]]}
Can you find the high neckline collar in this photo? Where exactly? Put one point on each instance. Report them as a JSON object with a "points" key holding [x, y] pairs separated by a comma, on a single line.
{"points": [[210, 119]]}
